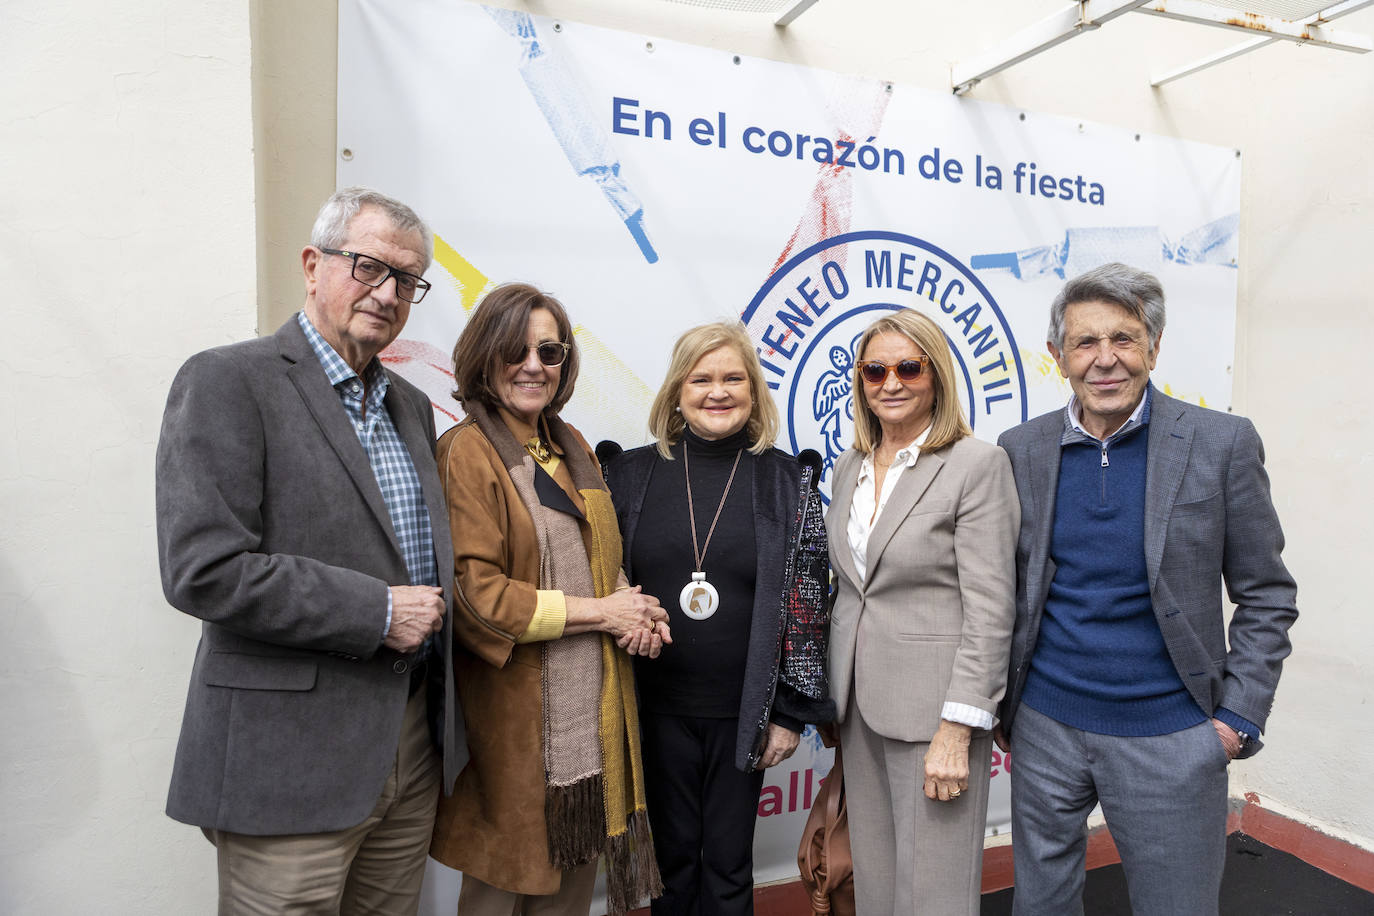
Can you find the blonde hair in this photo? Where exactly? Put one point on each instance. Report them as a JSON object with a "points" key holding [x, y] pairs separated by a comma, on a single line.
{"points": [[665, 420], [947, 422]]}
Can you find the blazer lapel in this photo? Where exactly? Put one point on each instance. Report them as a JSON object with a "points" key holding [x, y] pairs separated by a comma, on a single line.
{"points": [[1171, 439], [322, 401], [418, 437], [909, 489], [1044, 480], [419, 443], [840, 506]]}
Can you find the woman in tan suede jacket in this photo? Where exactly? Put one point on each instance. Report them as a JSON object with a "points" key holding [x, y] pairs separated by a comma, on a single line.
{"points": [[554, 781]]}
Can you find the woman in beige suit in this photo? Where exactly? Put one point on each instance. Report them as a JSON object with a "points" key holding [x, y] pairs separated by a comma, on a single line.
{"points": [[922, 529]]}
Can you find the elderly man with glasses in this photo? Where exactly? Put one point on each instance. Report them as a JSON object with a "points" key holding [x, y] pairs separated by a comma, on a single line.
{"points": [[300, 517], [1126, 686]]}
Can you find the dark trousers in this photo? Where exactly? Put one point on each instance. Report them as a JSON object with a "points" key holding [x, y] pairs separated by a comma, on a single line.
{"points": [[702, 811]]}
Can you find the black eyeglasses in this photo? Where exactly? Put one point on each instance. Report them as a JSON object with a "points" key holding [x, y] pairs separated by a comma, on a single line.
{"points": [[371, 272], [550, 352], [908, 370]]}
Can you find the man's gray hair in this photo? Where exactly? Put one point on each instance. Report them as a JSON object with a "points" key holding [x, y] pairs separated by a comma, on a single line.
{"points": [[1137, 291], [331, 225]]}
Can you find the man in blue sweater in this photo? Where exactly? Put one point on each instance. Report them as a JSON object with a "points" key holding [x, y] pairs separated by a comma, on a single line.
{"points": [[1123, 690]]}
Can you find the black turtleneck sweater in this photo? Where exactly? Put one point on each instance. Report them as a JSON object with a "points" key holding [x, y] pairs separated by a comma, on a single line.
{"points": [[702, 672]]}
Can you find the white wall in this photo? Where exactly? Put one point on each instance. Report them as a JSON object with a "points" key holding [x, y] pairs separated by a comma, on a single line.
{"points": [[131, 164], [127, 240]]}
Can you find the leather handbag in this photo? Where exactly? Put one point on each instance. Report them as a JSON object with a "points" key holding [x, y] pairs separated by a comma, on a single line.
{"points": [[824, 858]]}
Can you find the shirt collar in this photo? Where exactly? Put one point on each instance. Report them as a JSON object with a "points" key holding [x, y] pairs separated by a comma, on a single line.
{"points": [[906, 456], [335, 368], [1074, 431]]}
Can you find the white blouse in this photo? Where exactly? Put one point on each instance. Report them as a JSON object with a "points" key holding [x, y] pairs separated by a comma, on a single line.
{"points": [[868, 504]]}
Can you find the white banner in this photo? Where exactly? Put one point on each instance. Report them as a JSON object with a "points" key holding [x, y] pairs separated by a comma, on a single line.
{"points": [[652, 186]]}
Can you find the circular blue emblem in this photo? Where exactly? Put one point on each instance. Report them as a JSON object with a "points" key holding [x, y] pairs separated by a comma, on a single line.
{"points": [[808, 318]]}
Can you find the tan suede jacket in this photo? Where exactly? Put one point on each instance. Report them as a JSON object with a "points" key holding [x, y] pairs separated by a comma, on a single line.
{"points": [[493, 826]]}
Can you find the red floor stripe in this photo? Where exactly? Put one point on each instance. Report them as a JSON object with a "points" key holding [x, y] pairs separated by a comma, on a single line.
{"points": [[1343, 860]]}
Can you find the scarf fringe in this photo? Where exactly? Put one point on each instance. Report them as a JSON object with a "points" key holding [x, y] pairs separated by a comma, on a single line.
{"points": [[631, 869], [576, 819]]}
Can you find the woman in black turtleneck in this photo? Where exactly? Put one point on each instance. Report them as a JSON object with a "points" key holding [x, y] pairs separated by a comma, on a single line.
{"points": [[728, 533]]}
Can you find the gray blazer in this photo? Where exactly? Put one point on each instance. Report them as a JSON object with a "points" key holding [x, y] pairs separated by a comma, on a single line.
{"points": [[272, 530], [1209, 519], [932, 619]]}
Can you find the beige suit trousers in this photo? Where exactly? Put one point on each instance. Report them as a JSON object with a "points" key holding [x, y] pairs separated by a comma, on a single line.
{"points": [[912, 856], [374, 867]]}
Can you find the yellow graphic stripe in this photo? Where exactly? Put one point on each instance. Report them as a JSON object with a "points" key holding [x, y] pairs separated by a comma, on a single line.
{"points": [[467, 279], [1192, 398], [609, 390]]}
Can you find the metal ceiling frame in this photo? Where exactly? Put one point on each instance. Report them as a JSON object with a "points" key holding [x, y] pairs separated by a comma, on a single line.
{"points": [[1315, 22], [791, 13], [1086, 15]]}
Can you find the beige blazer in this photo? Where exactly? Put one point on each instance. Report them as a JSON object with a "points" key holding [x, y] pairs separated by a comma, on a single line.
{"points": [[932, 620]]}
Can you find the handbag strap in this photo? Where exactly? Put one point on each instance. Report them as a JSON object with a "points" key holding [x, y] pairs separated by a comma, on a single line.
{"points": [[834, 799]]}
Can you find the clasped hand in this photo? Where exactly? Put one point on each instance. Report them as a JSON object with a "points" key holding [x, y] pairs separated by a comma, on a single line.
{"points": [[645, 622]]}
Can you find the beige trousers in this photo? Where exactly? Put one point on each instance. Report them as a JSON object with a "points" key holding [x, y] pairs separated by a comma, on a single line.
{"points": [[912, 856], [374, 867], [574, 897]]}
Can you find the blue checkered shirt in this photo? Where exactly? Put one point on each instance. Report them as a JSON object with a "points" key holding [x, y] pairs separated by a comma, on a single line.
{"points": [[391, 464]]}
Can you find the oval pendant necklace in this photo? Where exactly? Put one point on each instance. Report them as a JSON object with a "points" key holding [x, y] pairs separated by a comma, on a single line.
{"points": [[699, 598]]}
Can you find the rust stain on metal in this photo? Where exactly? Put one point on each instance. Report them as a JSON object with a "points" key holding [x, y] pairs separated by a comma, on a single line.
{"points": [[1249, 21]]}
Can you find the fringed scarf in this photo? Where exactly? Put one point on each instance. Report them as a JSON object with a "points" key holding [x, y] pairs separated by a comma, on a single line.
{"points": [[594, 781]]}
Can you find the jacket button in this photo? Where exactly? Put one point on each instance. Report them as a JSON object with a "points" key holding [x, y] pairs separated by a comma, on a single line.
{"points": [[399, 666]]}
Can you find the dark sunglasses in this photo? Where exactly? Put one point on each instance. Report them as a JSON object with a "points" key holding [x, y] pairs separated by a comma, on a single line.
{"points": [[908, 370], [550, 352]]}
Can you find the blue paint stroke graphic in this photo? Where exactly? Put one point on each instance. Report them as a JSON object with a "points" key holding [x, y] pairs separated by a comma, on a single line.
{"points": [[1142, 246], [1212, 243], [574, 124]]}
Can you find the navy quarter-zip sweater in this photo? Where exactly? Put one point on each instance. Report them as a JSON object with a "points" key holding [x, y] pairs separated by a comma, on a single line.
{"points": [[1100, 662]]}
